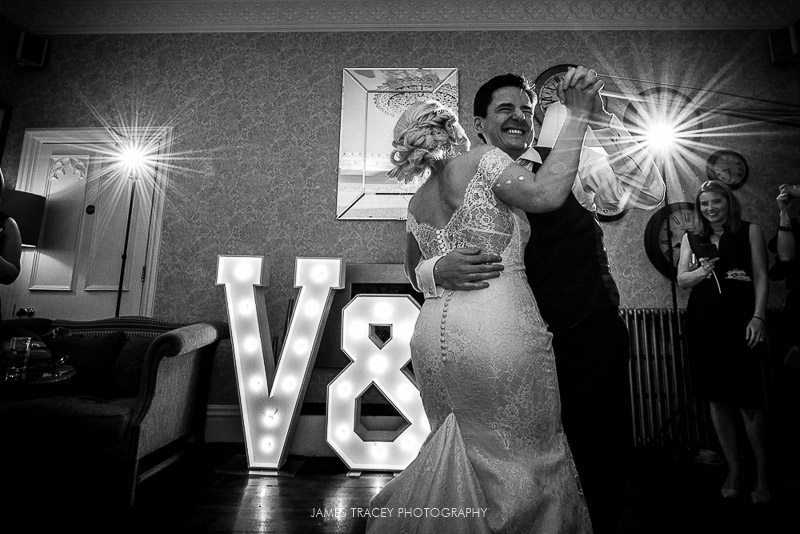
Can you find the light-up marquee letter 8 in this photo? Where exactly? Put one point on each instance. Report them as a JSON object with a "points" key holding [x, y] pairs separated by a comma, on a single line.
{"points": [[271, 396], [376, 360]]}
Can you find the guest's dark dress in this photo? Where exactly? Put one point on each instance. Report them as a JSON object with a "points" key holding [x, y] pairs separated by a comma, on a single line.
{"points": [[724, 368]]}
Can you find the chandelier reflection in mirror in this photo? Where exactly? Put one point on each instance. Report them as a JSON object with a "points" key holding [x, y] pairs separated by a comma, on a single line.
{"points": [[372, 100], [404, 87]]}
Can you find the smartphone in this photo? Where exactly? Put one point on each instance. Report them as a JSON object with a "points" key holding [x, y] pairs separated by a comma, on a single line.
{"points": [[708, 251]]}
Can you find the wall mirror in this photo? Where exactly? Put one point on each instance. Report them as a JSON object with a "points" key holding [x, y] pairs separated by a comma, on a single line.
{"points": [[372, 101]]}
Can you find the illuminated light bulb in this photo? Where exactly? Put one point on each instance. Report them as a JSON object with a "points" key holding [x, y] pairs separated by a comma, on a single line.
{"points": [[344, 390], [378, 451], [271, 419], [267, 444], [256, 384], [383, 309], [251, 344], [356, 329], [312, 309], [301, 346], [133, 158], [319, 274], [242, 271], [289, 384], [378, 364], [246, 308]]}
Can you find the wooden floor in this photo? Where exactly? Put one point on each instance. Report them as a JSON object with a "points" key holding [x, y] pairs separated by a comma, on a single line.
{"points": [[211, 491]]}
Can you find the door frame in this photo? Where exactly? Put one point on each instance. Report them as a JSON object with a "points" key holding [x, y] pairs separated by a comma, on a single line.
{"points": [[33, 143]]}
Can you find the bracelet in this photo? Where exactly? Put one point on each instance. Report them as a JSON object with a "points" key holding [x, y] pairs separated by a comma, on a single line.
{"points": [[785, 229], [760, 319]]}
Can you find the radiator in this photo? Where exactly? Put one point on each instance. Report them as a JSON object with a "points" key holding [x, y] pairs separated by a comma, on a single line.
{"points": [[664, 411]]}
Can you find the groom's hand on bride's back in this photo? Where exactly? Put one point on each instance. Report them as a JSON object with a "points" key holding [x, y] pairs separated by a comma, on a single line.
{"points": [[468, 268]]}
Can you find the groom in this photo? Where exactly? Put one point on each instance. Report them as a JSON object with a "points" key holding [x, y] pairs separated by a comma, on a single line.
{"points": [[567, 268]]}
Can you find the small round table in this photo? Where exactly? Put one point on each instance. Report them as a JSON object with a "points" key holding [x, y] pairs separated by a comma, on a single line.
{"points": [[41, 381]]}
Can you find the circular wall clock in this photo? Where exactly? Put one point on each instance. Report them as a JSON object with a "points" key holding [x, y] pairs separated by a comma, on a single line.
{"points": [[728, 167], [658, 245], [545, 88]]}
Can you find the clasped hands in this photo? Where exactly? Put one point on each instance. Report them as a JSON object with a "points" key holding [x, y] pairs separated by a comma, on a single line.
{"points": [[579, 91]]}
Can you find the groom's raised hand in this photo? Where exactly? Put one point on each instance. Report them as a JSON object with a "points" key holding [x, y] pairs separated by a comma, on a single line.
{"points": [[466, 269]]}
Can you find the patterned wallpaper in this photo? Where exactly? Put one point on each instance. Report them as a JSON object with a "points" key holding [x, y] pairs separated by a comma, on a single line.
{"points": [[259, 114]]}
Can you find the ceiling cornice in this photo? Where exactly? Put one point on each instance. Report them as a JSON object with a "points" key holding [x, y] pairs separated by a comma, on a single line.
{"points": [[52, 17]]}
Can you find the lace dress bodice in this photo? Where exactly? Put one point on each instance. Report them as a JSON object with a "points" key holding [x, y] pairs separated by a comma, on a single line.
{"points": [[482, 220]]}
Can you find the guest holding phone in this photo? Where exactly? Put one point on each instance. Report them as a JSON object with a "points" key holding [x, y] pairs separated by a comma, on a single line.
{"points": [[724, 262]]}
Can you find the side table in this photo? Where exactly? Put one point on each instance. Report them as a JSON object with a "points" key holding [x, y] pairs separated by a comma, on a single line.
{"points": [[41, 381]]}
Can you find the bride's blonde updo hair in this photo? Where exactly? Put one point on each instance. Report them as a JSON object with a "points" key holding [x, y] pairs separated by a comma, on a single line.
{"points": [[425, 135]]}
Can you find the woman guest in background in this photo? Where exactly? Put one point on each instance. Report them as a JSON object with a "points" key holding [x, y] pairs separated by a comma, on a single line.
{"points": [[10, 245], [724, 261], [497, 459], [787, 267]]}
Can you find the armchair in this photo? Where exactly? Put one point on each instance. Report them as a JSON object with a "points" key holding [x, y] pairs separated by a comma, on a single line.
{"points": [[152, 404]]}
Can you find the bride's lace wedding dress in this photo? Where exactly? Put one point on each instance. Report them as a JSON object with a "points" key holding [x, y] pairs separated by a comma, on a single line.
{"points": [[497, 459]]}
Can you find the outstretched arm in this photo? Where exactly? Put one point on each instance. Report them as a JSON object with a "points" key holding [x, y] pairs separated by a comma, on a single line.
{"points": [[554, 180], [616, 172], [619, 170]]}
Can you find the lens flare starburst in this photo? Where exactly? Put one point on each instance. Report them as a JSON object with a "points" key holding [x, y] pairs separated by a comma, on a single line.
{"points": [[134, 147], [681, 122]]}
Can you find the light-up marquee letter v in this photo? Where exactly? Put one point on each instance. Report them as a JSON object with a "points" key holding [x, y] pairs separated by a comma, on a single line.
{"points": [[270, 396]]}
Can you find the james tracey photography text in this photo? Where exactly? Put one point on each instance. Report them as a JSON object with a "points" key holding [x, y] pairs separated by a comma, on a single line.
{"points": [[342, 513]]}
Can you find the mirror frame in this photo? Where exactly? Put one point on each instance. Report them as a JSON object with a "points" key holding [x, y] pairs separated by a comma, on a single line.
{"points": [[372, 101]]}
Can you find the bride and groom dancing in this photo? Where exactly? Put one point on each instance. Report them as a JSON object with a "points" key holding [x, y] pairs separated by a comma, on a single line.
{"points": [[483, 348]]}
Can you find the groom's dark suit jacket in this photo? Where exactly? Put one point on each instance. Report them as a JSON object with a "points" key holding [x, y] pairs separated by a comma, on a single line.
{"points": [[567, 265], [567, 269]]}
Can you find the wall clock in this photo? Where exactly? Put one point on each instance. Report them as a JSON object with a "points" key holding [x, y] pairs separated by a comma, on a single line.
{"points": [[545, 88], [657, 245], [728, 167]]}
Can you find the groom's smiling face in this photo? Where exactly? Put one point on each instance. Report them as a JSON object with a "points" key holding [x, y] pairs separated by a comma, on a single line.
{"points": [[508, 124]]}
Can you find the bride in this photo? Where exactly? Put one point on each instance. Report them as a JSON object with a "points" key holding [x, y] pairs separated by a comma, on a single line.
{"points": [[497, 459]]}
